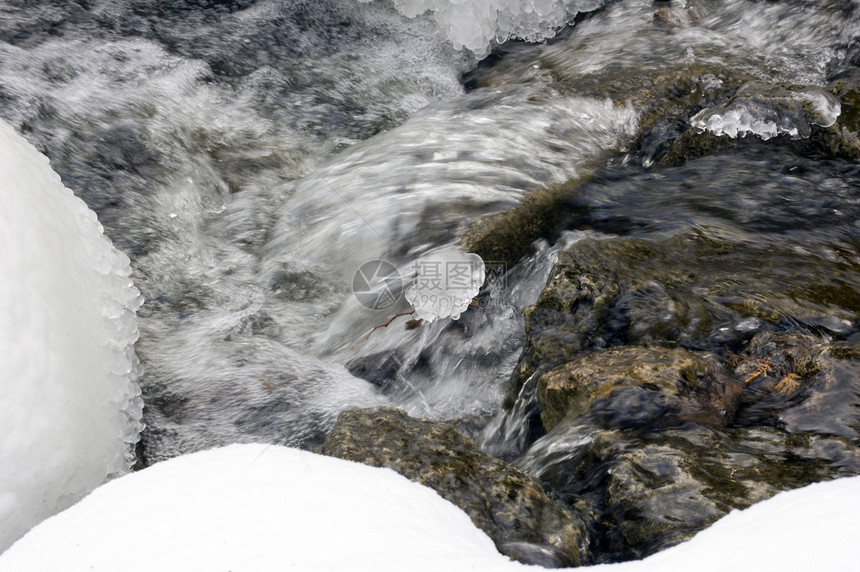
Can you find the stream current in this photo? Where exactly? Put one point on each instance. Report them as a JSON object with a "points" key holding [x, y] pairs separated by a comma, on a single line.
{"points": [[250, 156]]}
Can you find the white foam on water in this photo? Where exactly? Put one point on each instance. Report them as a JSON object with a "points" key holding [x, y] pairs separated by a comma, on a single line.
{"points": [[187, 168], [757, 40]]}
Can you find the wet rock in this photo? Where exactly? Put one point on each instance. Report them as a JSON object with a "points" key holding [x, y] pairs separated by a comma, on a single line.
{"points": [[704, 288], [642, 492], [508, 236], [379, 368], [828, 402], [691, 144], [643, 484], [632, 386], [802, 382], [843, 138], [507, 504], [790, 352]]}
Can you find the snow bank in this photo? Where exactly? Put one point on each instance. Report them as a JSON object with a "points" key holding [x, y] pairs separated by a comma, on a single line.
{"points": [[263, 507], [257, 508], [69, 406], [474, 24]]}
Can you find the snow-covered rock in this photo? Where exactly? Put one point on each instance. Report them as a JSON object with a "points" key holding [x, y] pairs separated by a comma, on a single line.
{"points": [[811, 528], [256, 508], [263, 507], [69, 406]]}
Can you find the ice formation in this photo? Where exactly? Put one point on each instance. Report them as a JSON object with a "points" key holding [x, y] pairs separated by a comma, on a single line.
{"points": [[474, 24], [69, 405], [444, 284], [770, 111]]}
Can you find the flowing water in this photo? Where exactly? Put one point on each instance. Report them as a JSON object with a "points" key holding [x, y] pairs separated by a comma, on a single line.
{"points": [[249, 156]]}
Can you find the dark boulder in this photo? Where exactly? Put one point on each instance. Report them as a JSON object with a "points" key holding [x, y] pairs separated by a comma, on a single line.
{"points": [[641, 492]]}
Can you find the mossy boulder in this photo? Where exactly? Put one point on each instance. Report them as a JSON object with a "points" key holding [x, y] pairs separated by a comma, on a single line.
{"points": [[508, 236], [633, 385], [702, 288], [507, 504]]}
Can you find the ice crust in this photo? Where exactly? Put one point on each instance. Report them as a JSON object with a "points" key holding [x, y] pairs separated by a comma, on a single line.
{"points": [[475, 24], [70, 408], [770, 111]]}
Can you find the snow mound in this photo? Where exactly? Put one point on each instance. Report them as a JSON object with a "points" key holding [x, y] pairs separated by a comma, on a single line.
{"points": [[444, 284], [265, 507], [770, 111], [69, 406], [258, 508], [475, 24]]}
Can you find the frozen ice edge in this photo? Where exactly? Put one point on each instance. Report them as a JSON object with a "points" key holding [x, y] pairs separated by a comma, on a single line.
{"points": [[768, 116], [71, 409], [476, 24]]}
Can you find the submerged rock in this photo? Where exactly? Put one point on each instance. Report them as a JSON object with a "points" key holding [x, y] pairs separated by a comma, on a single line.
{"points": [[504, 502], [683, 375], [379, 368], [650, 444], [843, 138]]}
